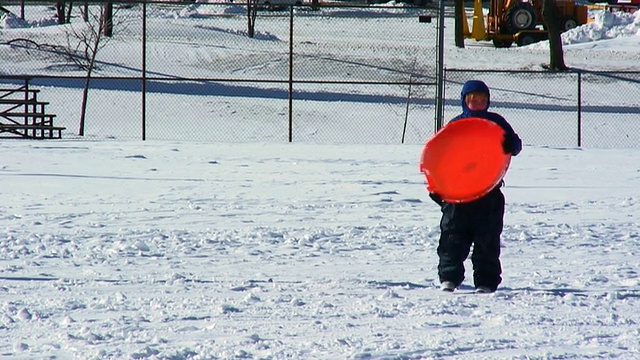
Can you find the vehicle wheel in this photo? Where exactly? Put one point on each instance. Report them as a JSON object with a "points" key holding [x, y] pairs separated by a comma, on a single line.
{"points": [[502, 43], [521, 17], [568, 23], [526, 39]]}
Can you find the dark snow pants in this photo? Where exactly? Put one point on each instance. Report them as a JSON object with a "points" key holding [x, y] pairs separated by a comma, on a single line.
{"points": [[478, 223]]}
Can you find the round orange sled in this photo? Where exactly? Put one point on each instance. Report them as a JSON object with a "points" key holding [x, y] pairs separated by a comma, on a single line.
{"points": [[464, 160]]}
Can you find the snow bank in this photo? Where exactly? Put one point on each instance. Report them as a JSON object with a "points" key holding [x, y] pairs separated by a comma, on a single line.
{"points": [[11, 21], [606, 25]]}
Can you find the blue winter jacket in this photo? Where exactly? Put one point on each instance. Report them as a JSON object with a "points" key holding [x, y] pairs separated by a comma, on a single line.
{"points": [[510, 135]]}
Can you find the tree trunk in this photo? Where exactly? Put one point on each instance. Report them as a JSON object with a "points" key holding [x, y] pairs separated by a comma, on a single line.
{"points": [[252, 12], [108, 19], [552, 20], [83, 109], [60, 11], [92, 50], [459, 31], [68, 16]]}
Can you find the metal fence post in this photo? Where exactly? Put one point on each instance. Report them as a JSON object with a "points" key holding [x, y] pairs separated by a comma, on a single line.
{"points": [[144, 71], [440, 69], [290, 73], [579, 108]]}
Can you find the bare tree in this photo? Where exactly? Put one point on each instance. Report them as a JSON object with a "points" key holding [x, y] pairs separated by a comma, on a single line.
{"points": [[60, 6], [69, 9], [412, 76], [252, 13], [84, 41], [553, 22], [63, 12]]}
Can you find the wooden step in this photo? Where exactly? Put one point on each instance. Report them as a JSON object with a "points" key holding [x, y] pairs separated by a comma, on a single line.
{"points": [[33, 131], [23, 101], [20, 126], [25, 114], [48, 121]]}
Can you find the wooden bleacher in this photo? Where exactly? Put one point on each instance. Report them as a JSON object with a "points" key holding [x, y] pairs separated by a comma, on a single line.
{"points": [[22, 115]]}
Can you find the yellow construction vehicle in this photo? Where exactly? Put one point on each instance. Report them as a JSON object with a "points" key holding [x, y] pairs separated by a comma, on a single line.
{"points": [[520, 21]]}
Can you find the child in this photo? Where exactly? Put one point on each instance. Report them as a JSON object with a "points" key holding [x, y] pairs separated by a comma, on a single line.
{"points": [[478, 222]]}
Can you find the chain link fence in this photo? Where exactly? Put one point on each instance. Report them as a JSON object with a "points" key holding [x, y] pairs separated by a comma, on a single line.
{"points": [[583, 109], [302, 77], [340, 74]]}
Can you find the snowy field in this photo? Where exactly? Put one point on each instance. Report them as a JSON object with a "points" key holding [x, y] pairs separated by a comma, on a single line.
{"points": [[211, 250], [215, 251]]}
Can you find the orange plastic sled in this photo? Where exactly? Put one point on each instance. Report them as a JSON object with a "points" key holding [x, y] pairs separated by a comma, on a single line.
{"points": [[464, 160]]}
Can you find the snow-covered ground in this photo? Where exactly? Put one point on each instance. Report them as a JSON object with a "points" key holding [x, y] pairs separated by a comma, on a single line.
{"points": [[210, 250]]}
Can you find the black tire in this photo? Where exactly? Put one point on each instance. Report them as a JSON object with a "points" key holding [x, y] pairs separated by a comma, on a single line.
{"points": [[526, 39], [521, 17], [568, 23], [502, 43]]}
